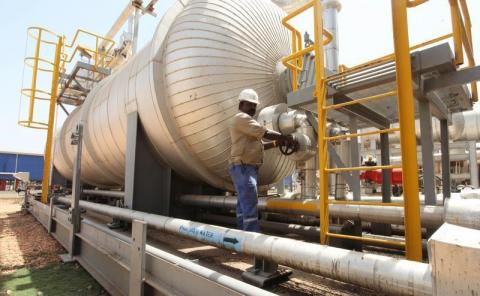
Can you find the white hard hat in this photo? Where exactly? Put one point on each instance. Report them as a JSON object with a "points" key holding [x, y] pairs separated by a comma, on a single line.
{"points": [[248, 95]]}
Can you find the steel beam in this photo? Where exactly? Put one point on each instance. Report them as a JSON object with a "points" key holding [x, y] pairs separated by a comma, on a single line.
{"points": [[137, 258], [428, 164], [445, 149]]}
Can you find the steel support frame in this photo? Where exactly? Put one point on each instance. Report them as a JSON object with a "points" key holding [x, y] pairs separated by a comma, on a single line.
{"points": [[428, 162], [384, 228], [406, 110], [445, 149], [75, 211], [47, 166], [145, 177]]}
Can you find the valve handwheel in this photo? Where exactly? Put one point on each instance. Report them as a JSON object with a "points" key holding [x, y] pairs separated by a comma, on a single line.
{"points": [[289, 147]]}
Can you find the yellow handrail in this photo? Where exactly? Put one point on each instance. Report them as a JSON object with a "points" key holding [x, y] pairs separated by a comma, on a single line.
{"points": [[297, 51]]}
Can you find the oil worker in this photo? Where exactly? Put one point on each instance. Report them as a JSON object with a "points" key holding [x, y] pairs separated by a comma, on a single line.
{"points": [[247, 156]]}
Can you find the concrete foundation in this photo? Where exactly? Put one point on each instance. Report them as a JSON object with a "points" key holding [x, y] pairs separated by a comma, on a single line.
{"points": [[454, 253]]}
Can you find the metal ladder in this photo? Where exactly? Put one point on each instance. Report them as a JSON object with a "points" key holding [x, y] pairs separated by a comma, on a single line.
{"points": [[405, 102]]}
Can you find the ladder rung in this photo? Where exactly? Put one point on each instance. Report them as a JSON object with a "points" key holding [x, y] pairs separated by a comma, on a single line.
{"points": [[365, 203], [341, 137], [367, 239], [363, 168], [363, 100]]}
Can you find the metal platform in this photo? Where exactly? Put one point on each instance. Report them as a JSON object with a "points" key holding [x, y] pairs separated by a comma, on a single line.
{"points": [[435, 78], [76, 85]]}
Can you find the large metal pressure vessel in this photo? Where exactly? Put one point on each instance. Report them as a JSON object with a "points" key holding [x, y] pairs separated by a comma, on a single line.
{"points": [[184, 85]]}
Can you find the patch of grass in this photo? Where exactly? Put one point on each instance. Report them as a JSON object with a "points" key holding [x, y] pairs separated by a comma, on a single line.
{"points": [[58, 279]]}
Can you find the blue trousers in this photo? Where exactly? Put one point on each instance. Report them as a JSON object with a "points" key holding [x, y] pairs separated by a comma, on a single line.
{"points": [[244, 178]]}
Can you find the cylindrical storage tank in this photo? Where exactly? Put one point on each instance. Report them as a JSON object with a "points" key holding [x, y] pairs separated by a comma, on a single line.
{"points": [[184, 85]]}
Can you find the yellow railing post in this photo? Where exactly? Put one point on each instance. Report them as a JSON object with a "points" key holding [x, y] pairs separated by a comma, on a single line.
{"points": [[320, 93], [457, 31], [34, 77], [51, 119], [406, 112]]}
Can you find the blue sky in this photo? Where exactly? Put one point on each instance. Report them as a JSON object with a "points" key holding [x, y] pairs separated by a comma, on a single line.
{"points": [[364, 28]]}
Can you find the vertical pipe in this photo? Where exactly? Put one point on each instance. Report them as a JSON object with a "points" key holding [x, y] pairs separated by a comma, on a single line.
{"points": [[406, 109], [472, 157], [136, 22], [47, 165], [331, 9], [444, 142], [320, 93]]}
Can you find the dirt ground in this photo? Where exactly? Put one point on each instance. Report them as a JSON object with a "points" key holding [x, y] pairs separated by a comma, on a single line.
{"points": [[23, 241], [29, 258]]}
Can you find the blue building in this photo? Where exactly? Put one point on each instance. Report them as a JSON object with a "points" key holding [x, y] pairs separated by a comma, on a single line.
{"points": [[12, 162]]}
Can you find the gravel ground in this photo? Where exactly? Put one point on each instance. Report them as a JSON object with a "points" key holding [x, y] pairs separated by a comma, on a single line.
{"points": [[23, 241], [29, 258]]}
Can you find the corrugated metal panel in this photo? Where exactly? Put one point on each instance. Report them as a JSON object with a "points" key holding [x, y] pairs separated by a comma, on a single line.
{"points": [[32, 164], [7, 162], [25, 163]]}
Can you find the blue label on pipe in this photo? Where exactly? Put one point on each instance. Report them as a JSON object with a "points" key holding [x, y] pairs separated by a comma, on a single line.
{"points": [[230, 241], [202, 234]]}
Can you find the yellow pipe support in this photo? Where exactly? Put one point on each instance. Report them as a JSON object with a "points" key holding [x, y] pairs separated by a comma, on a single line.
{"points": [[359, 101], [34, 77], [51, 118], [457, 31], [320, 94], [468, 44], [406, 110], [295, 69], [365, 203], [356, 135], [367, 239], [362, 168]]}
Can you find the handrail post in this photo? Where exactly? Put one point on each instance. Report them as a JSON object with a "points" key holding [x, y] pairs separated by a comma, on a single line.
{"points": [[34, 77], [406, 111], [457, 31]]}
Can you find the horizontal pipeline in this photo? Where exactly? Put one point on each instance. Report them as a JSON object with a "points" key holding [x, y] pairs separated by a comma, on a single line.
{"points": [[380, 273], [463, 212], [221, 279], [106, 193]]}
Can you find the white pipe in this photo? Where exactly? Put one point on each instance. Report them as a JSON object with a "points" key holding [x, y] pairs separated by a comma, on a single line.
{"points": [[465, 127], [380, 273], [463, 212], [211, 275], [330, 14], [472, 153]]}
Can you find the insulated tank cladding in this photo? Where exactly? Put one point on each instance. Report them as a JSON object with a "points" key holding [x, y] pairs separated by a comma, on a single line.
{"points": [[184, 85]]}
